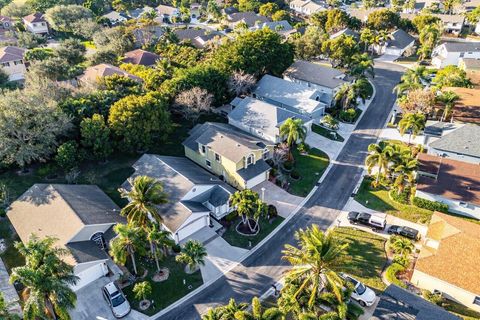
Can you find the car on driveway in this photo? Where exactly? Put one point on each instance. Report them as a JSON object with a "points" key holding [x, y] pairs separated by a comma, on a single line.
{"points": [[407, 232], [361, 293], [116, 300], [376, 221]]}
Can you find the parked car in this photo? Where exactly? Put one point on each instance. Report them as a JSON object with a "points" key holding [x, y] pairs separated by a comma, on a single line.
{"points": [[361, 293], [407, 232], [377, 221], [116, 300]]}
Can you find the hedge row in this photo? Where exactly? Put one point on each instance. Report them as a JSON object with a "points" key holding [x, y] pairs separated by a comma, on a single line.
{"points": [[430, 205], [391, 274]]}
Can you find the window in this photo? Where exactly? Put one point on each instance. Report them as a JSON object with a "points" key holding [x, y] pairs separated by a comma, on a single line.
{"points": [[5, 64], [217, 157], [265, 154], [18, 62], [208, 163], [204, 149], [34, 24], [249, 160], [476, 301]]}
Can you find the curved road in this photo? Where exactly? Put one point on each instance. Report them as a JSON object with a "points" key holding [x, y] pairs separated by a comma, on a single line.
{"points": [[256, 274]]}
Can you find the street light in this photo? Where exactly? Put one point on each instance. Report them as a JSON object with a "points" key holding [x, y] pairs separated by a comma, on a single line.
{"points": [[263, 193]]}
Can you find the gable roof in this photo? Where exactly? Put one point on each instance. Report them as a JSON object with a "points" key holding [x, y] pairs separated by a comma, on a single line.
{"points": [[451, 179], [249, 18], [92, 73], [461, 141], [34, 17], [141, 57], [198, 37], [315, 73], [346, 32], [166, 10], [11, 53], [400, 39], [398, 303], [461, 46], [114, 16], [454, 261], [282, 26]]}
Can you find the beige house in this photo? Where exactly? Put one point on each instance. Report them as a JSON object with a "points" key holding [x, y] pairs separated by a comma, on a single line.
{"points": [[94, 73], [449, 260], [36, 23], [234, 156], [12, 62]]}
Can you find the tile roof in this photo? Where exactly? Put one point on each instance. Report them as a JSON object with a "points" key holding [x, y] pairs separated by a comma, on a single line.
{"points": [[463, 140], [467, 107], [456, 260], [11, 53], [34, 17], [400, 39], [141, 57], [315, 73], [93, 73], [454, 180]]}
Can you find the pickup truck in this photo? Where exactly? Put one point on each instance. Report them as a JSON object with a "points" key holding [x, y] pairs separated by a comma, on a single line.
{"points": [[407, 232], [371, 220]]}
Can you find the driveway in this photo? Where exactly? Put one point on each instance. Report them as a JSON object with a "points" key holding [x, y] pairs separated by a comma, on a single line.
{"points": [[330, 147], [281, 199], [92, 306]]}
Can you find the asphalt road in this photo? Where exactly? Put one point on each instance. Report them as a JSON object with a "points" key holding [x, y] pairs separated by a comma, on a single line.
{"points": [[257, 273]]}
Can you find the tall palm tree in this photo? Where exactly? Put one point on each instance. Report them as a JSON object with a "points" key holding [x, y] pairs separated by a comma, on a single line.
{"points": [[346, 96], [46, 278], [413, 123], [361, 65], [402, 245], [379, 156], [128, 242], [248, 206], [193, 255], [448, 98], [412, 79], [258, 313], [405, 166], [213, 314], [316, 261], [159, 240], [293, 130]]}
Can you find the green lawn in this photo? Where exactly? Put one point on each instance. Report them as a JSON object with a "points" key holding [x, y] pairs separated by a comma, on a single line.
{"points": [[378, 199], [169, 291], [238, 240], [310, 168], [324, 132], [460, 310], [366, 256]]}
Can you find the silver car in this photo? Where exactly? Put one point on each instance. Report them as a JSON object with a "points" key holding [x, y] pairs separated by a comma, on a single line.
{"points": [[116, 300]]}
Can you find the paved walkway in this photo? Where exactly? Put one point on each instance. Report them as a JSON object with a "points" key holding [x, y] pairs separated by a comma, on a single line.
{"points": [[8, 290], [281, 199]]}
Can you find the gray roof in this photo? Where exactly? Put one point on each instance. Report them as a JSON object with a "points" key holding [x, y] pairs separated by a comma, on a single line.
{"points": [[398, 303], [471, 63], [249, 18], [463, 140], [462, 46], [347, 32], [11, 53], [179, 176], [315, 73], [217, 196], [86, 251], [224, 139], [400, 39], [263, 117], [253, 170], [281, 26], [115, 16]]}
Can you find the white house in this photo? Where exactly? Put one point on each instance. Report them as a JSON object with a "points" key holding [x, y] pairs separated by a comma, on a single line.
{"points": [[80, 217], [449, 53], [12, 62], [115, 17], [459, 144], [194, 195], [36, 23], [399, 42], [306, 7]]}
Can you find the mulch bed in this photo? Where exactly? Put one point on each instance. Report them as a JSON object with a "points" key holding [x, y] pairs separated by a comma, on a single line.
{"points": [[244, 229]]}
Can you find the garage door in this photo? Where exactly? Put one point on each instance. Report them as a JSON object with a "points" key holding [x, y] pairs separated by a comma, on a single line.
{"points": [[90, 274], [192, 228], [256, 180]]}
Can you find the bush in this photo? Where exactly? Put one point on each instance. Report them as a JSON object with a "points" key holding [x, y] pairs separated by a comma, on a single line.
{"points": [[391, 274], [295, 175], [46, 170], [66, 156], [435, 298], [354, 311], [401, 259], [176, 248], [403, 197], [273, 172], [231, 216], [348, 115], [272, 211], [288, 165], [430, 205]]}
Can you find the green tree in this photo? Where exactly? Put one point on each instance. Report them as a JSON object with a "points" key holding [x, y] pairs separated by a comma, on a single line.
{"points": [[16, 9], [379, 156], [142, 290], [309, 45], [159, 241], [401, 245], [383, 19], [44, 5], [412, 123], [405, 166], [473, 16], [72, 50], [349, 93], [248, 5], [46, 279], [421, 21], [367, 37], [118, 39], [293, 130], [316, 261], [95, 135], [268, 9], [249, 207], [370, 3], [63, 17], [128, 242], [66, 156], [449, 5], [361, 65], [103, 56], [257, 312], [192, 255], [448, 98], [29, 40], [428, 38], [451, 76], [340, 50], [38, 54], [281, 15], [5, 313], [412, 79]]}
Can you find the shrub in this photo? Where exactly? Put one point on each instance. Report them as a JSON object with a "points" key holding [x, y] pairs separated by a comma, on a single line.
{"points": [[278, 182], [348, 115], [295, 175], [231, 216], [288, 165], [301, 147], [391, 274], [435, 298], [273, 172], [329, 122], [176, 248], [354, 311], [430, 205], [272, 211], [401, 259], [402, 197], [46, 170], [67, 155]]}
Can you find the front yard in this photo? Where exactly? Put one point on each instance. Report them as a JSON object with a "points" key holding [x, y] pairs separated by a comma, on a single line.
{"points": [[310, 168], [366, 254], [238, 240], [327, 133]]}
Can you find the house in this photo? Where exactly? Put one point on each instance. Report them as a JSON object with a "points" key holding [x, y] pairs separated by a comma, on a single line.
{"points": [[141, 57], [451, 182], [449, 53], [459, 144], [319, 77], [236, 157], [448, 260], [195, 10], [199, 38], [467, 107], [36, 23], [347, 32], [296, 97], [262, 119], [167, 13], [451, 23], [139, 13], [399, 42], [194, 195], [12, 62], [472, 67], [398, 303], [6, 23], [282, 27], [250, 19], [306, 7], [80, 217], [94, 73], [147, 35], [115, 17], [362, 13]]}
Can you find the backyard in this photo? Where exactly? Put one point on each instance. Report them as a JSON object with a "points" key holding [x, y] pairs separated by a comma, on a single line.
{"points": [[310, 168], [238, 240]]}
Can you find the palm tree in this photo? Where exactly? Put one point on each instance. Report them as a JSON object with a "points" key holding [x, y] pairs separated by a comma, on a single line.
{"points": [[159, 239], [367, 37], [293, 130], [412, 79], [405, 167], [346, 96], [257, 312], [193, 255], [413, 123], [142, 290], [379, 156], [316, 261], [47, 279], [127, 243], [248, 206], [448, 5], [361, 65], [213, 314], [401, 245], [448, 98]]}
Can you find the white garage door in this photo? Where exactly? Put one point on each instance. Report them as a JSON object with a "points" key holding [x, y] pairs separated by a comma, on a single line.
{"points": [[90, 274], [256, 180], [192, 228]]}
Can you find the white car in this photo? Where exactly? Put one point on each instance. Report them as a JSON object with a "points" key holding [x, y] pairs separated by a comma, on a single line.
{"points": [[116, 300], [361, 293]]}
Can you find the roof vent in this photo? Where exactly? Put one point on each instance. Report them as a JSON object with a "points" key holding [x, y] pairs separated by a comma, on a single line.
{"points": [[238, 144]]}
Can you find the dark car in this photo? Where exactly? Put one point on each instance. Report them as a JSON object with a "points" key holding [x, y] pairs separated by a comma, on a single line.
{"points": [[407, 232], [359, 217]]}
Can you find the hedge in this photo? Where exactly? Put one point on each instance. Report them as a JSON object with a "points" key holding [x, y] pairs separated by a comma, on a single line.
{"points": [[430, 205], [391, 274], [403, 197]]}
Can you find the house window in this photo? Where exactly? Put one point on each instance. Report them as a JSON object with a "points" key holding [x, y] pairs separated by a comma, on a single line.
{"points": [[43, 23], [217, 157], [208, 163], [204, 149], [18, 62], [476, 301], [249, 160], [34, 24], [6, 64], [265, 153]]}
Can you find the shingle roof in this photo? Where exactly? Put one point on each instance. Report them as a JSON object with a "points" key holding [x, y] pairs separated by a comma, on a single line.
{"points": [[347, 32], [198, 37], [471, 63], [93, 73], [166, 10], [280, 26], [398, 303], [115, 16], [463, 140], [141, 57], [400, 39], [254, 170], [315, 73], [86, 251], [462, 46], [249, 18], [11, 54], [34, 17], [456, 260]]}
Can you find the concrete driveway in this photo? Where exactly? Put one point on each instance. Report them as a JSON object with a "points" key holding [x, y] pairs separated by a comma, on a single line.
{"points": [[281, 199], [92, 306]]}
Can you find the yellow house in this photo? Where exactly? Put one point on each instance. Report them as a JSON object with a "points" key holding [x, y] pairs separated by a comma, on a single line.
{"points": [[449, 261], [231, 154]]}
